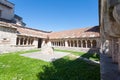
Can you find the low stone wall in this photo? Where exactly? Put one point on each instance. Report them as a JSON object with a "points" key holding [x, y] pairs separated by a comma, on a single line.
{"points": [[8, 49], [86, 50]]}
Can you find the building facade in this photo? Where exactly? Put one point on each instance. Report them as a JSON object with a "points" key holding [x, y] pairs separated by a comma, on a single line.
{"points": [[15, 36]]}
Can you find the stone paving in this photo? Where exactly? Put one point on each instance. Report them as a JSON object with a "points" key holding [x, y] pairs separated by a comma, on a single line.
{"points": [[46, 57], [109, 70]]}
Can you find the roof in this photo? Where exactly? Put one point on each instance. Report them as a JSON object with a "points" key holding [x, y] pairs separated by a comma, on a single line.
{"points": [[25, 31], [31, 32], [8, 25], [76, 33]]}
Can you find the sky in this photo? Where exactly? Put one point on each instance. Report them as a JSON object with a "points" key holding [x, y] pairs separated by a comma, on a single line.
{"points": [[57, 15]]}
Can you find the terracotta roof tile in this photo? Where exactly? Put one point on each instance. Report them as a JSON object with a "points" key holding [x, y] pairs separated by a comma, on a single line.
{"points": [[30, 32], [5, 24], [76, 33]]}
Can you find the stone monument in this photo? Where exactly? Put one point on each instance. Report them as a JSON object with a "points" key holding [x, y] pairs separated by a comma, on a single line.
{"points": [[46, 47]]}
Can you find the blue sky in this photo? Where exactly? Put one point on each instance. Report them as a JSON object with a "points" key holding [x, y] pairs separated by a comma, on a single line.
{"points": [[57, 15]]}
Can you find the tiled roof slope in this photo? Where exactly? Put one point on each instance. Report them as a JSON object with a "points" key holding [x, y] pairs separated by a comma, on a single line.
{"points": [[31, 32], [8, 25], [25, 31], [76, 33]]}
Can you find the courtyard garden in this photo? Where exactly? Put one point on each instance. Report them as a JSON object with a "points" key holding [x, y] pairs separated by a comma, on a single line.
{"points": [[16, 67]]}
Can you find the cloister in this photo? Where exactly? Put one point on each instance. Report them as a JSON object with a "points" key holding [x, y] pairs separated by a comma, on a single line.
{"points": [[80, 43], [24, 41]]}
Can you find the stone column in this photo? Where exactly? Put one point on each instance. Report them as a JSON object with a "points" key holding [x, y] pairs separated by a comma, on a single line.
{"points": [[73, 43], [91, 43], [18, 41], [119, 54], [77, 43], [70, 43], [23, 41], [81, 44], [97, 44], [110, 48], [86, 44], [66, 43], [115, 50]]}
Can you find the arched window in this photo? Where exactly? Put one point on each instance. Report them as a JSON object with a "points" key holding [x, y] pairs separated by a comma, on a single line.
{"points": [[94, 43]]}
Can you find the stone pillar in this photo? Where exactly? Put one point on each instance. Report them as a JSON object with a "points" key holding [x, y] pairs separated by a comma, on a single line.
{"points": [[91, 44], [119, 54], [18, 41], [70, 43], [66, 43], [86, 44], [110, 48], [97, 44], [73, 43], [115, 50], [77, 43], [23, 41], [81, 44]]}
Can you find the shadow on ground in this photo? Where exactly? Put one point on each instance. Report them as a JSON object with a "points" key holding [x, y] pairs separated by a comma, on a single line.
{"points": [[94, 56], [66, 69]]}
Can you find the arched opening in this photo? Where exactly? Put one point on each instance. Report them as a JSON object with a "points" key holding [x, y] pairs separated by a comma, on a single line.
{"points": [[17, 41], [68, 43], [88, 44], [71, 43], [94, 43], [21, 41], [79, 43], [29, 41], [32, 40], [25, 41], [84, 44], [75, 43], [59, 44]]}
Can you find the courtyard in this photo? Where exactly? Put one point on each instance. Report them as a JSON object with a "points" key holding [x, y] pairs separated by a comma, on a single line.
{"points": [[13, 66]]}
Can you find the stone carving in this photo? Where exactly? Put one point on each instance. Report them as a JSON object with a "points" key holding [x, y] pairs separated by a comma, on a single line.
{"points": [[46, 48], [110, 29]]}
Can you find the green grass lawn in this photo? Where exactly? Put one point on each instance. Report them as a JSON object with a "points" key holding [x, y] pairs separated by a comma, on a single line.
{"points": [[16, 67], [90, 56]]}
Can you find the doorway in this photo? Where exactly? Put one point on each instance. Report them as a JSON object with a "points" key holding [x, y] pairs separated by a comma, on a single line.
{"points": [[39, 42]]}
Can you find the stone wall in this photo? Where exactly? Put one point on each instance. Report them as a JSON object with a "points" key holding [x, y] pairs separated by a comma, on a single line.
{"points": [[110, 29], [6, 12], [7, 36]]}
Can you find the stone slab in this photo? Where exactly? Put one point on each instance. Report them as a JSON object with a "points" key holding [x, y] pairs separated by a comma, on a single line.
{"points": [[46, 57], [109, 70]]}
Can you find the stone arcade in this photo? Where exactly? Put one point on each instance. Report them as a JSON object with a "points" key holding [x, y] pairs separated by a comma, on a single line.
{"points": [[14, 36]]}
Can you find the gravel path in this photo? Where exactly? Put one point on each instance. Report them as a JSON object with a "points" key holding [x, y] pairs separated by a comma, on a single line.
{"points": [[46, 57]]}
